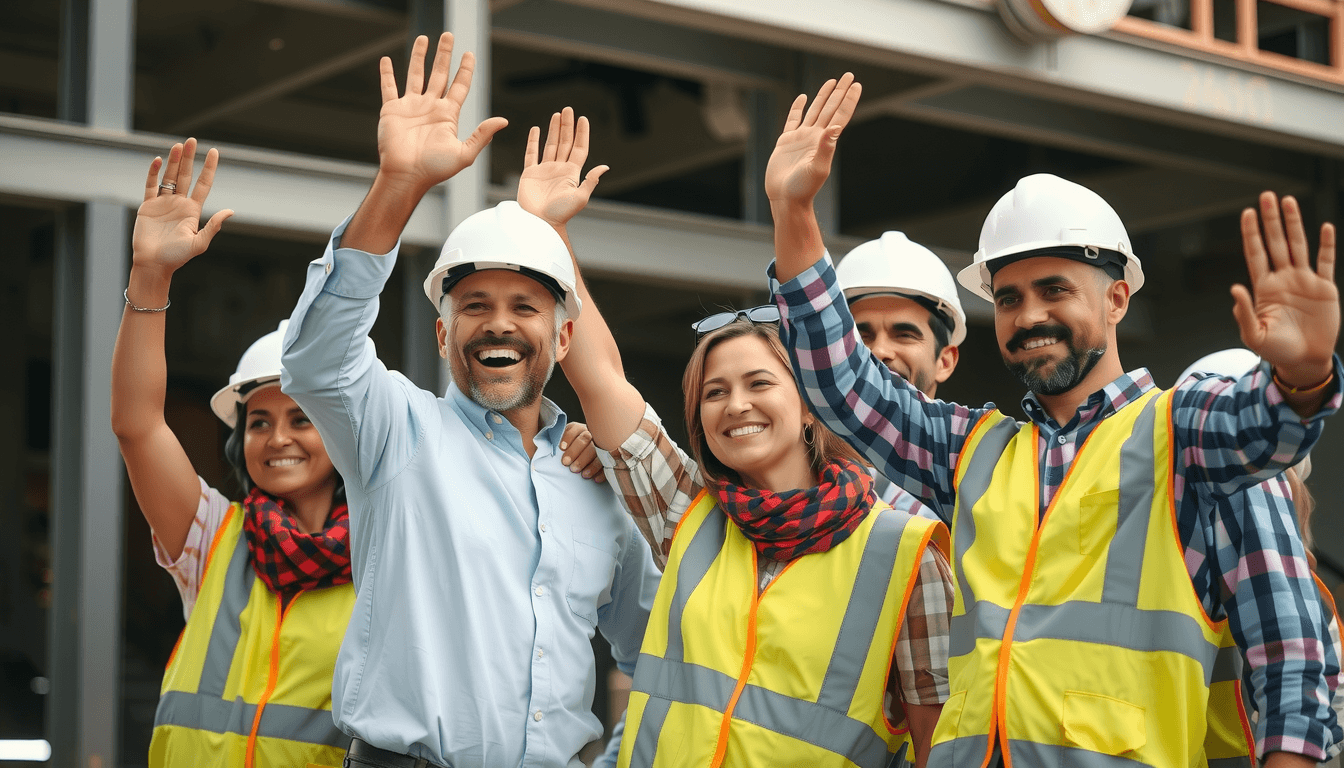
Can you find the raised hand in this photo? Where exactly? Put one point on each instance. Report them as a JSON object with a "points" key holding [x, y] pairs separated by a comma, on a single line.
{"points": [[417, 131], [550, 186], [167, 227], [801, 162], [1293, 319]]}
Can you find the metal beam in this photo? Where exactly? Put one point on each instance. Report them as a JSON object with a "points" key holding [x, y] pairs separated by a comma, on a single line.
{"points": [[277, 88], [111, 63], [1027, 118], [599, 35], [350, 9], [1108, 73]]}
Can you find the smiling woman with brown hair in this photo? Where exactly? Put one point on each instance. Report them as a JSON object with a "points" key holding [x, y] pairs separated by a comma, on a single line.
{"points": [[798, 618]]}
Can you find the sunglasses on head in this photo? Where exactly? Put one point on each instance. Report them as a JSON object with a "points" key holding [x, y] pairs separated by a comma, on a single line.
{"points": [[766, 313]]}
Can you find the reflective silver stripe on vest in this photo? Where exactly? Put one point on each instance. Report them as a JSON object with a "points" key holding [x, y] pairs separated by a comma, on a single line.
{"points": [[1030, 753], [974, 483], [1124, 558], [823, 724], [1230, 762], [208, 710], [1118, 626], [863, 612], [228, 628], [695, 564], [971, 750], [203, 712]]}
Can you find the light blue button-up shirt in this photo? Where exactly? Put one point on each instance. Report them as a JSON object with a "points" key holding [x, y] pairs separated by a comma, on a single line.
{"points": [[481, 574]]}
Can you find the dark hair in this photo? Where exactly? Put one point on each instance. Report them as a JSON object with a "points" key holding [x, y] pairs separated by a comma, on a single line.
{"points": [[233, 453], [941, 333], [826, 446]]}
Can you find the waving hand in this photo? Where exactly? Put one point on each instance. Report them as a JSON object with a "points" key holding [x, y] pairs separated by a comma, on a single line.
{"points": [[1293, 319], [801, 162], [167, 227], [417, 130], [550, 186]]}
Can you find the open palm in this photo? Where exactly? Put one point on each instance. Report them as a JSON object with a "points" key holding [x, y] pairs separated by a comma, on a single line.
{"points": [[801, 162], [167, 230], [1294, 316], [552, 186], [417, 130]]}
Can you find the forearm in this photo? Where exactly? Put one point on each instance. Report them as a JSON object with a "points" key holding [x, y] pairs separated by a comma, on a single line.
{"points": [[798, 242], [612, 405], [1232, 435], [377, 225], [139, 368], [911, 440]]}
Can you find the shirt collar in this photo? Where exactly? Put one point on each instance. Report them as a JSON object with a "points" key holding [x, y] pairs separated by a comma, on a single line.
{"points": [[1099, 405], [487, 421]]}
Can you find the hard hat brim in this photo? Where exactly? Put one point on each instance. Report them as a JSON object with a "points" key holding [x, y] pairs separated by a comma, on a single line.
{"points": [[859, 293], [225, 402], [976, 278], [434, 283]]}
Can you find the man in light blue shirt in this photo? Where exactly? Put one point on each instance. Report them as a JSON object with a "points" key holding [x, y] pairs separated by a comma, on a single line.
{"points": [[482, 565]]}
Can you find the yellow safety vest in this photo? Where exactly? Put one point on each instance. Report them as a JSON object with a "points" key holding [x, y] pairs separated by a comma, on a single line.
{"points": [[1079, 640], [247, 684], [794, 675]]}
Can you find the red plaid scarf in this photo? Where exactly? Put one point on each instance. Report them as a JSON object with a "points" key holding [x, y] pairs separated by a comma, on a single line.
{"points": [[799, 522], [287, 558]]}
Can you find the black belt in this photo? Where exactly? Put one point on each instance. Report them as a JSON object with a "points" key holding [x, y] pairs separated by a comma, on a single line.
{"points": [[369, 755]]}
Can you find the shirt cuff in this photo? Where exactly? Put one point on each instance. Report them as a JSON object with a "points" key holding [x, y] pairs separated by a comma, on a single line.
{"points": [[812, 291], [352, 273], [1274, 397], [638, 445], [1295, 734]]}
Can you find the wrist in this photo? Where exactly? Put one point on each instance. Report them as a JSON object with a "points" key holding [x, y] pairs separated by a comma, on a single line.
{"points": [[148, 286], [401, 184], [1303, 377], [792, 207]]}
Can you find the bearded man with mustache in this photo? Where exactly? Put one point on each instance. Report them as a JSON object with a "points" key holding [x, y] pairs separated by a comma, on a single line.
{"points": [[1093, 623]]}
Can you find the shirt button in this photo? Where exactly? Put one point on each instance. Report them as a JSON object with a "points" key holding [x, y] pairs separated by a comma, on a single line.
{"points": [[543, 527], [1062, 439], [328, 267], [497, 418], [541, 654], [537, 715], [489, 435], [539, 591]]}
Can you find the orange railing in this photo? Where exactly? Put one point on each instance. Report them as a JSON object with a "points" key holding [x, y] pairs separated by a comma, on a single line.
{"points": [[1200, 36]]}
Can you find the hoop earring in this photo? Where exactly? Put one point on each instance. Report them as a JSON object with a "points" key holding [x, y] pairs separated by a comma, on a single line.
{"points": [[809, 436]]}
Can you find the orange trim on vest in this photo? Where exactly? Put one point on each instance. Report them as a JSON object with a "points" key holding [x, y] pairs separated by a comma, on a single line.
{"points": [[209, 558], [281, 610], [900, 623], [722, 748], [1245, 719], [1326, 597], [703, 492], [1005, 648], [956, 470]]}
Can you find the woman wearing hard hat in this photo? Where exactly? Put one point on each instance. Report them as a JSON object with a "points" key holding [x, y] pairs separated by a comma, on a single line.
{"points": [[779, 632], [265, 581]]}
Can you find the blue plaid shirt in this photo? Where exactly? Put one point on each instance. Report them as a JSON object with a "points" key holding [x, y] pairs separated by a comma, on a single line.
{"points": [[1229, 436]]}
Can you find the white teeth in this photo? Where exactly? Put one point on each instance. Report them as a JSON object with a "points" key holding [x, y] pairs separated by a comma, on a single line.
{"points": [[283, 462], [1035, 343], [490, 354], [750, 429]]}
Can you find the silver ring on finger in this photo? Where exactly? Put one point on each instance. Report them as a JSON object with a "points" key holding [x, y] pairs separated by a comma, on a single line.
{"points": [[170, 186]]}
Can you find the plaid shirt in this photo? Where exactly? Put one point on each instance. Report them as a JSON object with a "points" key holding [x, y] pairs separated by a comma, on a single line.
{"points": [[1229, 435], [658, 482]]}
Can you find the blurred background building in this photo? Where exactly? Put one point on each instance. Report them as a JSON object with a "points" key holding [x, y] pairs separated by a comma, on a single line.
{"points": [[1178, 113]]}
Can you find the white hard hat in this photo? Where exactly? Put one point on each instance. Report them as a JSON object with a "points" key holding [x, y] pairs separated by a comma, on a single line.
{"points": [[1045, 215], [1231, 363], [505, 237], [893, 265], [258, 368]]}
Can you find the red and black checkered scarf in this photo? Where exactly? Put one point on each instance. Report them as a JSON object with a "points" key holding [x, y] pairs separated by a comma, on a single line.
{"points": [[289, 559], [794, 523]]}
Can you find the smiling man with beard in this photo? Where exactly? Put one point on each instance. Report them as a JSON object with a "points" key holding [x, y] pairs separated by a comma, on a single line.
{"points": [[482, 565], [1090, 625]]}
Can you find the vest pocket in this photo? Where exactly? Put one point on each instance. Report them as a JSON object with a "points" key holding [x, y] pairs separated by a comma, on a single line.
{"points": [[1096, 519], [1103, 724], [949, 719]]}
